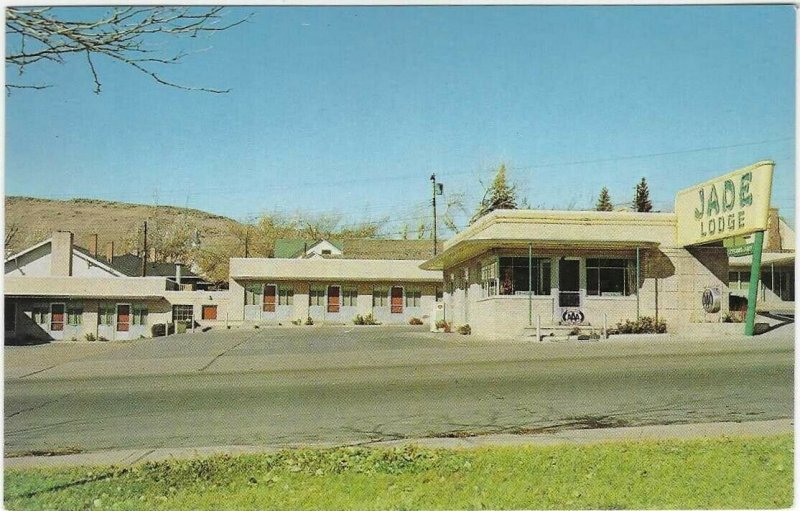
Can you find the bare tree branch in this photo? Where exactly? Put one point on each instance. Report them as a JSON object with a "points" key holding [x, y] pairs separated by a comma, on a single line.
{"points": [[125, 34]]}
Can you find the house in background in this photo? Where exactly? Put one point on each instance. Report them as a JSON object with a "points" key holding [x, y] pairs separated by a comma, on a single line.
{"points": [[332, 281], [776, 285], [56, 290]]}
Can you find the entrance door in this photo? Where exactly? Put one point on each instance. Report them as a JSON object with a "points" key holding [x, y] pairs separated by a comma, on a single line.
{"points": [[569, 291], [270, 291], [333, 299], [123, 317], [397, 300]]}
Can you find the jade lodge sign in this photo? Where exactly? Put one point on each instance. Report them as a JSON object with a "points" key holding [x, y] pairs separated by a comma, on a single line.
{"points": [[735, 204]]}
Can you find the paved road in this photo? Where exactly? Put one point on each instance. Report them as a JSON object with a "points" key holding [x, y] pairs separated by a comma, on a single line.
{"points": [[284, 386]]}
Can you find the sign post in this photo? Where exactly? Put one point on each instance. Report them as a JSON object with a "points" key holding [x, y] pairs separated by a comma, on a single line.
{"points": [[755, 275]]}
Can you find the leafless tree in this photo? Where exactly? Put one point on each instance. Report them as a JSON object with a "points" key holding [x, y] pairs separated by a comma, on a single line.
{"points": [[130, 35]]}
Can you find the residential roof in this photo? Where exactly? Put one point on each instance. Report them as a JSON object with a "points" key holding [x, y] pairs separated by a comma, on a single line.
{"points": [[131, 266], [333, 270], [360, 248]]}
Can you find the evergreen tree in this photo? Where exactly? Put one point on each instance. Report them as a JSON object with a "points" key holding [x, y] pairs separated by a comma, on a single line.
{"points": [[498, 196], [641, 201], [604, 202]]}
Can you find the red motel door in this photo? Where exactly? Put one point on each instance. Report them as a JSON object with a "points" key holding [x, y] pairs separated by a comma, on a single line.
{"points": [[123, 318], [333, 298], [397, 300], [57, 317], [269, 298]]}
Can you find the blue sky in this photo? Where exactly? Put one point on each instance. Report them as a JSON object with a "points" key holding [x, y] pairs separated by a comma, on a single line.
{"points": [[349, 110]]}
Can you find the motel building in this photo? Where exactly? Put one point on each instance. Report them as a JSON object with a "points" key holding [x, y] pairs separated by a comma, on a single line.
{"points": [[55, 290], [515, 270], [333, 281]]}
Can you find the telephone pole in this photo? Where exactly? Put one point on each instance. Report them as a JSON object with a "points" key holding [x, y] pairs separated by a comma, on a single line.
{"points": [[247, 242], [438, 189], [144, 256]]}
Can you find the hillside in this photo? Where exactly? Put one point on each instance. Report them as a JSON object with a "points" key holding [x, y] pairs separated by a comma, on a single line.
{"points": [[111, 221]]}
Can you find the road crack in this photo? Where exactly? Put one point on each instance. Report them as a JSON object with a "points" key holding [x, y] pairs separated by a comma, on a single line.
{"points": [[220, 355]]}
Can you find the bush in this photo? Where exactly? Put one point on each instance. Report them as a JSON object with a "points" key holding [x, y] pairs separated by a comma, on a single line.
{"points": [[369, 319], [74, 339], [158, 330], [309, 321], [443, 325], [644, 325], [89, 337], [414, 321], [297, 321], [103, 339], [575, 331], [464, 330]]}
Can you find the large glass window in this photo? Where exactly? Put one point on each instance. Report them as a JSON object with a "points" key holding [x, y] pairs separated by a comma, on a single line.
{"points": [[413, 297], [285, 295], [74, 314], [182, 313], [380, 297], [105, 314], [41, 314], [513, 276], [316, 296], [253, 294], [140, 315], [349, 297], [10, 317], [610, 277]]}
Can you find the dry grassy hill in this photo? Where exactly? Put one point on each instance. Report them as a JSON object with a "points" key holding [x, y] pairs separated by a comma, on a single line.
{"points": [[36, 219]]}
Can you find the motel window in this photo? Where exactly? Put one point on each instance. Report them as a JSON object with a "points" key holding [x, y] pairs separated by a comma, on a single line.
{"points": [[74, 315], [253, 294], [733, 279], [105, 314], [349, 297], [41, 314], [140, 315], [413, 297], [439, 294], [10, 317], [610, 277], [316, 297], [182, 313], [514, 275], [380, 297], [783, 285], [326, 252], [489, 280], [285, 295]]}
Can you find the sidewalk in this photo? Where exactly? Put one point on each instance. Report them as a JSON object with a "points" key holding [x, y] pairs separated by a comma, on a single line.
{"points": [[581, 436]]}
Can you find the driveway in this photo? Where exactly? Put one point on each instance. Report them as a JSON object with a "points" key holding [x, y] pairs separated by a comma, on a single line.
{"points": [[291, 385]]}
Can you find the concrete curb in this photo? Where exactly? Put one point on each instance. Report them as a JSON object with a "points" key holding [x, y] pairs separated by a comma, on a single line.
{"points": [[581, 436]]}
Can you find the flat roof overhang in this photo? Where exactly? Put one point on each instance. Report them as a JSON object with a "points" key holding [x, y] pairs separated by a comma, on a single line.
{"points": [[467, 249], [62, 296]]}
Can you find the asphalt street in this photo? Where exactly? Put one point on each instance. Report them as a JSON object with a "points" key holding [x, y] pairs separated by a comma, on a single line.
{"points": [[295, 385]]}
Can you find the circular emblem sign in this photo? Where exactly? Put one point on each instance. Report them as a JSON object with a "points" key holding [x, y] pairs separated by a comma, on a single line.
{"points": [[573, 316], [712, 299]]}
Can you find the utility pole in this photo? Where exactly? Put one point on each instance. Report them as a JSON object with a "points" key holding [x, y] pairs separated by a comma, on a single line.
{"points": [[247, 241], [438, 189], [144, 256]]}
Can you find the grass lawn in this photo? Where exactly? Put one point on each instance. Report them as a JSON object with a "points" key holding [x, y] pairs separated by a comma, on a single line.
{"points": [[752, 472]]}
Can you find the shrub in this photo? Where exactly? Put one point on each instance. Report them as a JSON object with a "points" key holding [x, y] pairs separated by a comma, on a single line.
{"points": [[644, 325], [158, 330], [297, 321], [575, 331], [74, 339], [103, 339], [734, 317], [369, 319], [464, 330], [309, 321], [89, 337], [443, 325], [414, 321]]}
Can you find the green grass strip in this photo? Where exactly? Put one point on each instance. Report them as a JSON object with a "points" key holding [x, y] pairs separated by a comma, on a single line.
{"points": [[738, 472]]}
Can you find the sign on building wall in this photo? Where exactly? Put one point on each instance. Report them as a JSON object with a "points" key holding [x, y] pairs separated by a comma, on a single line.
{"points": [[731, 205]]}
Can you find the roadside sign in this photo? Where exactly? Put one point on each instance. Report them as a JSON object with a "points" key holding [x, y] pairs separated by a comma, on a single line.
{"points": [[741, 250]]}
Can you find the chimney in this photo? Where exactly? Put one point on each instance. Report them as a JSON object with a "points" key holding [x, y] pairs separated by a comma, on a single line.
{"points": [[178, 269], [61, 254], [110, 251], [773, 241], [93, 245]]}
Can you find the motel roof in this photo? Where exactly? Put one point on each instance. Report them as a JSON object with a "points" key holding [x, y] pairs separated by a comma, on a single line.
{"points": [[85, 287], [359, 248], [586, 230], [332, 270]]}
